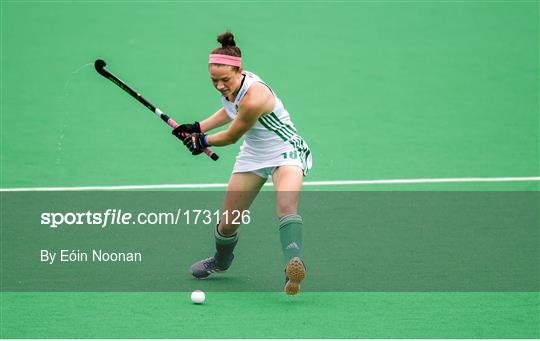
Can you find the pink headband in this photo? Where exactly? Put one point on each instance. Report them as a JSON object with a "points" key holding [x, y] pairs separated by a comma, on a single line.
{"points": [[225, 60]]}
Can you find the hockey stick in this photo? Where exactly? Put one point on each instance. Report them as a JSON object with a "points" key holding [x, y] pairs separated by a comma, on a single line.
{"points": [[100, 68]]}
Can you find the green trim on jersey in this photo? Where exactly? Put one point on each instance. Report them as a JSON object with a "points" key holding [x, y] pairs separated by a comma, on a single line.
{"points": [[288, 134]]}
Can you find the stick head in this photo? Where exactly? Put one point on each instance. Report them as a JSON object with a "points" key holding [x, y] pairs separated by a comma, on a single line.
{"points": [[99, 64]]}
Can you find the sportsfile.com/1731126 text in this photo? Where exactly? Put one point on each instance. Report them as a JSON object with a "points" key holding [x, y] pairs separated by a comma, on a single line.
{"points": [[111, 217]]}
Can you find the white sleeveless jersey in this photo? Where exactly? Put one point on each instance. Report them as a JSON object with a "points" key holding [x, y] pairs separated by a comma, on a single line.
{"points": [[272, 138]]}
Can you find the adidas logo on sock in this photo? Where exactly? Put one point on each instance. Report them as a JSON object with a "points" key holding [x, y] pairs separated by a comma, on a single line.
{"points": [[292, 245]]}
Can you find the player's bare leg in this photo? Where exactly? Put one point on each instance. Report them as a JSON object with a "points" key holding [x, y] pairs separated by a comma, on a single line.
{"points": [[288, 183], [241, 191]]}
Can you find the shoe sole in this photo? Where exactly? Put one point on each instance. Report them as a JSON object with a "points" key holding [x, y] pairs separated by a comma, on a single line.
{"points": [[296, 272]]}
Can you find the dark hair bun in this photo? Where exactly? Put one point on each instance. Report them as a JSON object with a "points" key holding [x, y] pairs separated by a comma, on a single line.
{"points": [[226, 39]]}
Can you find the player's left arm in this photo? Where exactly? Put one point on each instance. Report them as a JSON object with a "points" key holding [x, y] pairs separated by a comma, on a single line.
{"points": [[258, 101]]}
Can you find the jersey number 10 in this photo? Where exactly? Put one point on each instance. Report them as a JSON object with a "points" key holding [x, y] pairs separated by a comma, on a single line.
{"points": [[293, 154]]}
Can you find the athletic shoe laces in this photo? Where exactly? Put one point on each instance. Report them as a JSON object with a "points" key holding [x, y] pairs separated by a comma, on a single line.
{"points": [[209, 263]]}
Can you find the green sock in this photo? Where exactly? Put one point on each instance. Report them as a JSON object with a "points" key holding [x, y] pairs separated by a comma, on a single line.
{"points": [[224, 248], [291, 235]]}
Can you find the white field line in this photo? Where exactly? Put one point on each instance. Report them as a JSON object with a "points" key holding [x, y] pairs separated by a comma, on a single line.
{"points": [[306, 183]]}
